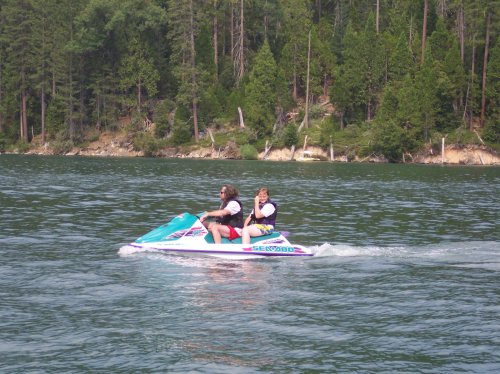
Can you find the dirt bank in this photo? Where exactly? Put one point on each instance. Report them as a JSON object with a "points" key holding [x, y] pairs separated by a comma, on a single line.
{"points": [[119, 145]]}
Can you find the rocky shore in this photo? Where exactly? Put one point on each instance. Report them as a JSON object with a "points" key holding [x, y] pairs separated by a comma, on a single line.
{"points": [[118, 145]]}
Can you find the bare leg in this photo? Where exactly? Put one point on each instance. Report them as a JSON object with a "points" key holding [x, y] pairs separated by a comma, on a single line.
{"points": [[249, 231], [219, 231]]}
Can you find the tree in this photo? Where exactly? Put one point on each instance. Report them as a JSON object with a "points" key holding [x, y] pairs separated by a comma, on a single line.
{"points": [[346, 92], [492, 130], [424, 30], [400, 61], [453, 67], [297, 24], [372, 53], [185, 26], [485, 67], [261, 92], [17, 38], [426, 103], [138, 71]]}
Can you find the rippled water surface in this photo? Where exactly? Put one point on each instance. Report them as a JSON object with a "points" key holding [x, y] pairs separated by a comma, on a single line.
{"points": [[406, 276]]}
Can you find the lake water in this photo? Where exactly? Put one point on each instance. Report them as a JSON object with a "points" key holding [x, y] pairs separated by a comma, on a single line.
{"points": [[406, 276]]}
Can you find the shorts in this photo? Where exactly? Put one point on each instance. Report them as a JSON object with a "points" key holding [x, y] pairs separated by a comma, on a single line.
{"points": [[265, 229], [233, 233]]}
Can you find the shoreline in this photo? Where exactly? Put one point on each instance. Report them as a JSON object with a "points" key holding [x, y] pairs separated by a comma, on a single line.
{"points": [[469, 155], [119, 145]]}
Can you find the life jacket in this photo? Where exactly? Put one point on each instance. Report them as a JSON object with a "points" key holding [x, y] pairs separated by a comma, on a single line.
{"points": [[234, 220], [270, 220]]}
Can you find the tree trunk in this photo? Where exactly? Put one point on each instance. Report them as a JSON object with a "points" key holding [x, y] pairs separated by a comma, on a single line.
{"points": [[241, 56], [53, 81], [332, 153], [295, 82], [267, 148], [139, 87], [216, 44], [232, 32], [266, 21], [23, 122], [70, 101], [42, 104], [1, 98], [369, 110], [292, 152], [24, 117], [193, 74], [461, 30], [242, 123], [424, 29], [473, 67], [485, 67], [318, 9], [306, 119]]}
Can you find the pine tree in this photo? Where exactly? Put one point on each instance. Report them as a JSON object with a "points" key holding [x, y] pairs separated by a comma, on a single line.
{"points": [[17, 37], [492, 128], [297, 24], [346, 92], [138, 71], [400, 62], [184, 28], [261, 92], [374, 59], [453, 67], [427, 101]]}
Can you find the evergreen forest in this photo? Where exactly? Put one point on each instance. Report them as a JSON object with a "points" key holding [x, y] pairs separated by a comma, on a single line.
{"points": [[398, 74]]}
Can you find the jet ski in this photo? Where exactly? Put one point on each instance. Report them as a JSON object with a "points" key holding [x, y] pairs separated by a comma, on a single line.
{"points": [[185, 234]]}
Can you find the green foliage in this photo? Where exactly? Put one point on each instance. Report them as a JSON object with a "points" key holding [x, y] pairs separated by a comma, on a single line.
{"points": [[138, 71], [291, 136], [401, 61], [457, 136], [95, 62], [181, 134], [491, 132], [210, 105], [392, 141], [3, 143], [162, 112], [261, 92], [248, 152], [19, 147], [492, 128], [146, 142], [61, 146]]}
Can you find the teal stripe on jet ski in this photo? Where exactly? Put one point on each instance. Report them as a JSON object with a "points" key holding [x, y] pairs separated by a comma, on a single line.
{"points": [[162, 233]]}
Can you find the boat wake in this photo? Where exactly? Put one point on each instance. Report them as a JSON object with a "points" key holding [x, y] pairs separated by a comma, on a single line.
{"points": [[473, 254]]}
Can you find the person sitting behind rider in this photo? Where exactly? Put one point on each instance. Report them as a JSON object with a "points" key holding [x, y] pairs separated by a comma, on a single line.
{"points": [[263, 214], [229, 217]]}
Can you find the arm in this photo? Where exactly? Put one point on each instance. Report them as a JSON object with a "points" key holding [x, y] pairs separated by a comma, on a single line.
{"points": [[256, 210], [215, 213], [247, 221], [266, 210]]}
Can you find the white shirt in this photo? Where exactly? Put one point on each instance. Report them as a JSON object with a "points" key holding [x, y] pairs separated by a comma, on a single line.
{"points": [[233, 207], [266, 210]]}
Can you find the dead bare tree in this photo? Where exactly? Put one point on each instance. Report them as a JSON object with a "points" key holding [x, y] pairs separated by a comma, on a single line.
{"points": [[424, 29], [485, 67]]}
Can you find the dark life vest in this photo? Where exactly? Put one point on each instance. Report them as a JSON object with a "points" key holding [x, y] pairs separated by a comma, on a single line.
{"points": [[234, 220], [271, 220]]}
